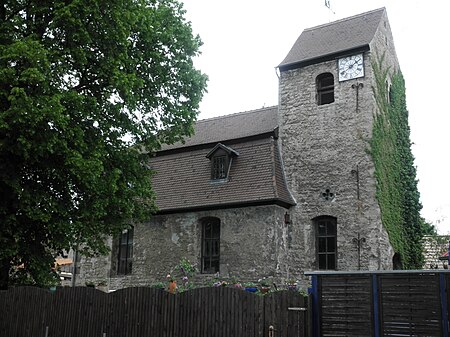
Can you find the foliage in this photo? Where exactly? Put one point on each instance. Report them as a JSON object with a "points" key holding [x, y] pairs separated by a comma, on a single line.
{"points": [[397, 191], [183, 273], [186, 268], [158, 285], [265, 281], [84, 86], [250, 284], [428, 228]]}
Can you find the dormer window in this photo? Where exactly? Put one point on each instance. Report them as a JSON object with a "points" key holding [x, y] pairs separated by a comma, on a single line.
{"points": [[221, 157]]}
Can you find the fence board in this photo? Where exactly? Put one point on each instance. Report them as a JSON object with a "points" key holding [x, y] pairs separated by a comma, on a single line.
{"points": [[447, 302], [410, 304], [2, 312], [346, 306], [132, 312]]}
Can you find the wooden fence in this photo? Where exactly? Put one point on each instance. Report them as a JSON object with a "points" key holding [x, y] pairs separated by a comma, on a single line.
{"points": [[383, 303], [145, 312]]}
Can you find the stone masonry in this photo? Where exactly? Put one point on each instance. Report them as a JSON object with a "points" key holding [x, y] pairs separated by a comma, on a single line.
{"points": [[325, 147], [254, 243]]}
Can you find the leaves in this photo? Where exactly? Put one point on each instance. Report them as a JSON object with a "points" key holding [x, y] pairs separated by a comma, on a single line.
{"points": [[83, 85], [397, 190]]}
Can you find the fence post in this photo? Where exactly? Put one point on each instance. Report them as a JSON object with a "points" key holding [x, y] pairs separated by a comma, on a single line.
{"points": [[444, 307], [315, 306], [376, 307]]}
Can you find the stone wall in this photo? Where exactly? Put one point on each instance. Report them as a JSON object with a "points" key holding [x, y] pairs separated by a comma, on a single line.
{"points": [[253, 244], [326, 148]]}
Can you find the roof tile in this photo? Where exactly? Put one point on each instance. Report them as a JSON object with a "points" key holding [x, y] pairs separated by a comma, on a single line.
{"points": [[183, 180], [234, 126], [334, 37]]}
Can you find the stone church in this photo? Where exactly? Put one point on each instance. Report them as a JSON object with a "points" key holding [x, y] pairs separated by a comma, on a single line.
{"points": [[274, 191]]}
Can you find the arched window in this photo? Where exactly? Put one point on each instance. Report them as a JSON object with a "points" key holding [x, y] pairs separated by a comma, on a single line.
{"points": [[397, 262], [390, 94], [326, 242], [210, 245], [325, 88]]}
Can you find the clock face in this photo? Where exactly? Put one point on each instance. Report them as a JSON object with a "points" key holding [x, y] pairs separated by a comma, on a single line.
{"points": [[351, 67]]}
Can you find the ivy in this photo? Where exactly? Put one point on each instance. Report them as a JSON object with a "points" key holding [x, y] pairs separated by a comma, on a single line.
{"points": [[397, 191]]}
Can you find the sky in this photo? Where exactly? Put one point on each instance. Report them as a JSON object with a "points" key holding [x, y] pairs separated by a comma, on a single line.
{"points": [[245, 40]]}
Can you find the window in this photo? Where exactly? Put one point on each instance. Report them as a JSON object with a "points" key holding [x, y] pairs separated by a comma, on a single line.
{"points": [[125, 256], [219, 167], [210, 245], [325, 88], [326, 242], [390, 95], [221, 157]]}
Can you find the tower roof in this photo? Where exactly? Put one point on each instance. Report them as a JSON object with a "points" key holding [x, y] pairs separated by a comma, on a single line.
{"points": [[335, 37]]}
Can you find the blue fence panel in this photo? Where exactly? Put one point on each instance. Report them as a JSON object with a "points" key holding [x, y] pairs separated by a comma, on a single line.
{"points": [[401, 303]]}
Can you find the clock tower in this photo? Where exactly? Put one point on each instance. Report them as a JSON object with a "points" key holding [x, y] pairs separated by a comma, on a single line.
{"points": [[326, 113]]}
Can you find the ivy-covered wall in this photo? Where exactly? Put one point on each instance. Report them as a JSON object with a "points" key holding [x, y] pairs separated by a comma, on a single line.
{"points": [[397, 191]]}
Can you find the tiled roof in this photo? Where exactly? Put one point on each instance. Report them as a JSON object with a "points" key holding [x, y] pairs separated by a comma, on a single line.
{"points": [[183, 179], [434, 248], [335, 37], [234, 126]]}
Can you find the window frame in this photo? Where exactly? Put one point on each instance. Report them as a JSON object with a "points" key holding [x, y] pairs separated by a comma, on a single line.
{"points": [[330, 235], [324, 89], [219, 173], [125, 252], [210, 246]]}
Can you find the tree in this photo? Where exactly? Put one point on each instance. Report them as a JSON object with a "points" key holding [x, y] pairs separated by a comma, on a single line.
{"points": [[428, 228], [85, 86]]}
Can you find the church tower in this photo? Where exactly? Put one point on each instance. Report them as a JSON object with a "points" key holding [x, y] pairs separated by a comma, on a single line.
{"points": [[326, 115]]}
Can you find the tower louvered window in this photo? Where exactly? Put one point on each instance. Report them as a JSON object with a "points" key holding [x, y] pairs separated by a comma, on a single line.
{"points": [[325, 88]]}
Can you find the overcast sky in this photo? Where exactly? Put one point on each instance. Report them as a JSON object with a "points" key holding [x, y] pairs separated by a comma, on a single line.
{"points": [[244, 41]]}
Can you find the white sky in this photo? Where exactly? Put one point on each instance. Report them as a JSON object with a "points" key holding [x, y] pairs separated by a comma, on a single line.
{"points": [[244, 41]]}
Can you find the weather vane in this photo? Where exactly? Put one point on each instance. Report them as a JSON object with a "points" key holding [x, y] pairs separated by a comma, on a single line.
{"points": [[328, 5]]}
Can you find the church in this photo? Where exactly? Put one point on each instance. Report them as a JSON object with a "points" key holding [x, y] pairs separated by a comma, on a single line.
{"points": [[277, 191]]}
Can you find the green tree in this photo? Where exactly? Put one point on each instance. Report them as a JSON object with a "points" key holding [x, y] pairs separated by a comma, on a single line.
{"points": [[428, 228], [85, 86]]}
